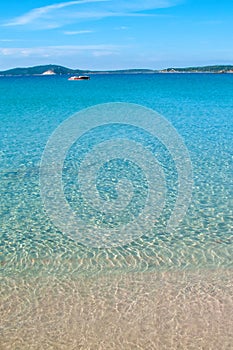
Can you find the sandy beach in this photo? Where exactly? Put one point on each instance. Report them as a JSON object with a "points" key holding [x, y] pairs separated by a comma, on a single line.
{"points": [[166, 310]]}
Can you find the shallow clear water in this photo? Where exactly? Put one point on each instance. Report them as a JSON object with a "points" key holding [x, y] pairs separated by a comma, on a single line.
{"points": [[53, 285]]}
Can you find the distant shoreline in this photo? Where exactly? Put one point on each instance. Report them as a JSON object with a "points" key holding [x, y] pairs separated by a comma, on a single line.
{"points": [[113, 73], [51, 70]]}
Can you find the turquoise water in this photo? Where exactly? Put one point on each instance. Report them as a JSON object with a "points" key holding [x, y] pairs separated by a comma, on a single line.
{"points": [[199, 106]]}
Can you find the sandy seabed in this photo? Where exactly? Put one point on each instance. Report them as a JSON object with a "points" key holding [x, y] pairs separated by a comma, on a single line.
{"points": [[149, 310]]}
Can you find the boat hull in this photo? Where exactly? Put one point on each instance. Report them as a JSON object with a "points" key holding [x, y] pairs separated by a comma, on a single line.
{"points": [[79, 78]]}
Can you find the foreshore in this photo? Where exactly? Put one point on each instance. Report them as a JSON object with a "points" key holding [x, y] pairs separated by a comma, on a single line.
{"points": [[149, 310]]}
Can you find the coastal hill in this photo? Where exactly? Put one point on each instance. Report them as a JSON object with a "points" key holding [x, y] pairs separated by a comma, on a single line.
{"points": [[205, 69], [60, 70], [40, 70]]}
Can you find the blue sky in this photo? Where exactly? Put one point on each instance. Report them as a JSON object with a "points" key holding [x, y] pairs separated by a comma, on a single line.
{"points": [[115, 34]]}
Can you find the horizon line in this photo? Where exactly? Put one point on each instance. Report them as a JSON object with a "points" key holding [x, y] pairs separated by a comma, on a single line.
{"points": [[120, 69]]}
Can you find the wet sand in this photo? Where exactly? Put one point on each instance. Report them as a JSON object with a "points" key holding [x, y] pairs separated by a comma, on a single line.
{"points": [[149, 310]]}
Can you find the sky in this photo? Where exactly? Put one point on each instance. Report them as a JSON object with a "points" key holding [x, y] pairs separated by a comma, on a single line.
{"points": [[116, 34]]}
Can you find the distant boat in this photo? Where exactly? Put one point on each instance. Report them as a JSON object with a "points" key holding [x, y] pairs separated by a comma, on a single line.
{"points": [[80, 77]]}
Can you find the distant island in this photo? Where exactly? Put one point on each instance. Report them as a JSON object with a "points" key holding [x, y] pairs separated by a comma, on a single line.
{"points": [[205, 69], [60, 70]]}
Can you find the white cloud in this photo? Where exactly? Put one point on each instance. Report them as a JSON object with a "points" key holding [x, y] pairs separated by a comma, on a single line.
{"points": [[103, 53], [121, 28], [140, 5], [60, 13], [64, 50], [6, 40], [77, 32], [40, 12]]}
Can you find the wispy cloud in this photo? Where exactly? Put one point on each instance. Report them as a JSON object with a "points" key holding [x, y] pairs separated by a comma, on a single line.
{"points": [[63, 50], [6, 40], [121, 28], [41, 12], [58, 14], [77, 32], [102, 53]]}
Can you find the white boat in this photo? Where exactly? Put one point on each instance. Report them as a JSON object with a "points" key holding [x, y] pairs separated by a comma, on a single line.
{"points": [[80, 77]]}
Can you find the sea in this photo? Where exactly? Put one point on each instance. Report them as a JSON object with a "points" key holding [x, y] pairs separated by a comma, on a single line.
{"points": [[138, 255]]}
